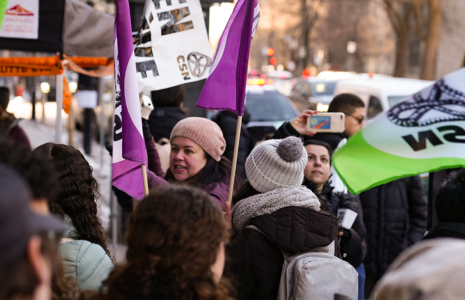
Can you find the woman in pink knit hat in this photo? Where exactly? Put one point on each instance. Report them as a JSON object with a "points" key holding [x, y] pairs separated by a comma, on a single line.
{"points": [[197, 146]]}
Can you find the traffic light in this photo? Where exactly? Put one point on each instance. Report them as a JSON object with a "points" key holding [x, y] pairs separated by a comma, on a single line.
{"points": [[270, 52]]}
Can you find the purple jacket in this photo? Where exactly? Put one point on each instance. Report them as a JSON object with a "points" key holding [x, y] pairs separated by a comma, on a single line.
{"points": [[155, 176]]}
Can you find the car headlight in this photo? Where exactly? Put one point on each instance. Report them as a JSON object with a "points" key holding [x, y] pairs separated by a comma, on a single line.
{"points": [[322, 107]]}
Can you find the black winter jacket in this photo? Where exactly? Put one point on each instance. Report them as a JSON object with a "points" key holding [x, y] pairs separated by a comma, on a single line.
{"points": [[333, 201], [228, 122], [395, 216], [446, 230], [255, 262], [163, 119]]}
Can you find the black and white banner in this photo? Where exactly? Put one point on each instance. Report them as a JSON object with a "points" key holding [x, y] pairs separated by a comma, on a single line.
{"points": [[171, 46]]}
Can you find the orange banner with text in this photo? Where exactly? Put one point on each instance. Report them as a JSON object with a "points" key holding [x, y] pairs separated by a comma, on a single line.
{"points": [[30, 66]]}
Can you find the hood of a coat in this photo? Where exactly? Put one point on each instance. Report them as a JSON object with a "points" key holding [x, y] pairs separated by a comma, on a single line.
{"points": [[9, 121], [298, 229], [70, 231], [267, 203]]}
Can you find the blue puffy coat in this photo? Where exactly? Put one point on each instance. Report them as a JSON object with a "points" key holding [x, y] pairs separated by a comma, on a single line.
{"points": [[83, 260]]}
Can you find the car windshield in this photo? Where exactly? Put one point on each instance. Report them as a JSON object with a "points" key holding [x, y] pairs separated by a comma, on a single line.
{"points": [[393, 100], [323, 88], [269, 107]]}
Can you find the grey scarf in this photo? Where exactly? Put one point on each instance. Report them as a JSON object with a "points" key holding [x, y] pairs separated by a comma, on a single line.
{"points": [[269, 202]]}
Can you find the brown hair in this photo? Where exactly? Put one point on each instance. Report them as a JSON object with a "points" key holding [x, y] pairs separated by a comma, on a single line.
{"points": [[345, 103], [173, 240], [77, 193]]}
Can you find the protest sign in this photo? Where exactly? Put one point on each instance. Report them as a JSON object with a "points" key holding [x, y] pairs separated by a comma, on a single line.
{"points": [[171, 46], [21, 20], [424, 133]]}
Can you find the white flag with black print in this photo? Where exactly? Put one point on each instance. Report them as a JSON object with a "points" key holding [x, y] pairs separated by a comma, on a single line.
{"points": [[171, 45]]}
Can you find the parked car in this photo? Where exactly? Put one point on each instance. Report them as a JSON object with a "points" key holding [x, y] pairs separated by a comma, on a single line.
{"points": [[268, 109], [317, 92], [282, 81], [380, 92]]}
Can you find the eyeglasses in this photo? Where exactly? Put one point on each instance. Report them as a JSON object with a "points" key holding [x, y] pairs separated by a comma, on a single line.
{"points": [[359, 120]]}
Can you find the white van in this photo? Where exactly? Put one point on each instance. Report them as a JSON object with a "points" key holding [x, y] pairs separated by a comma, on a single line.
{"points": [[380, 92]]}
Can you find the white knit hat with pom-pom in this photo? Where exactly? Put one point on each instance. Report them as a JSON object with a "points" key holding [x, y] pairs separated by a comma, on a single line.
{"points": [[276, 164]]}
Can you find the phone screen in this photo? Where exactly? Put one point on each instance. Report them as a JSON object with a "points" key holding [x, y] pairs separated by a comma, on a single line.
{"points": [[320, 122]]}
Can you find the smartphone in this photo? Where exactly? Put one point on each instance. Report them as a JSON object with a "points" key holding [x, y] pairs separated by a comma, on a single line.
{"points": [[326, 122]]}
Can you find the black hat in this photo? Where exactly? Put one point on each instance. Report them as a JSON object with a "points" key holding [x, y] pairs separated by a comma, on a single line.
{"points": [[18, 223]]}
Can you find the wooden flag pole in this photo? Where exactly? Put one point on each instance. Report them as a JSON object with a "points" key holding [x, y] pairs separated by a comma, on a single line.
{"points": [[234, 162], [144, 179]]}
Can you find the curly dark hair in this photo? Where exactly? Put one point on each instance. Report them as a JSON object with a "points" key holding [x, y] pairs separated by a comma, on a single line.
{"points": [[174, 237], [38, 171], [78, 192]]}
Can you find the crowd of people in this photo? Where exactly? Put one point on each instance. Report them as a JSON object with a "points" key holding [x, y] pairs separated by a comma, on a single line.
{"points": [[280, 238]]}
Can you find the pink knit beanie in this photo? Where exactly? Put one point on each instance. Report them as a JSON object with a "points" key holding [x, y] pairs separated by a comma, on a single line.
{"points": [[207, 134]]}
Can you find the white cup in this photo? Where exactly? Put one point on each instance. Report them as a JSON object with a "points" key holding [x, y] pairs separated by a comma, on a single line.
{"points": [[346, 217]]}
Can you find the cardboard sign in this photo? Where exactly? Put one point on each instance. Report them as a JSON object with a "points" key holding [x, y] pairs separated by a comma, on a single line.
{"points": [[21, 20], [171, 46]]}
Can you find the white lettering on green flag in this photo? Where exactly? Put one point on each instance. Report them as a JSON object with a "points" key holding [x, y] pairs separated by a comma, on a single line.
{"points": [[424, 133]]}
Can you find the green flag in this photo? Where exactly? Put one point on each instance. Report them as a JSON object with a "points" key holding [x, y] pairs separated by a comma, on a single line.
{"points": [[424, 133], [3, 4]]}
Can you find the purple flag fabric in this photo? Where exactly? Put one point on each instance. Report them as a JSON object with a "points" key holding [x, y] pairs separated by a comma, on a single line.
{"points": [[129, 150], [225, 87]]}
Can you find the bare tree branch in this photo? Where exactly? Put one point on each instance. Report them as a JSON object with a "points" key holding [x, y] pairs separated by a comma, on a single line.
{"points": [[419, 18], [393, 17]]}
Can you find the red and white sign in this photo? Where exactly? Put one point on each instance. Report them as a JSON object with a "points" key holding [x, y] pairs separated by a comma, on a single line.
{"points": [[21, 20]]}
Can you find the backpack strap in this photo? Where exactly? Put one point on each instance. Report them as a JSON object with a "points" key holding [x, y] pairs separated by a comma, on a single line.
{"points": [[285, 254]]}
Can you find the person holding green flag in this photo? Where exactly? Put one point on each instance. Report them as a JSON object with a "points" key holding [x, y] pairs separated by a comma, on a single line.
{"points": [[394, 213]]}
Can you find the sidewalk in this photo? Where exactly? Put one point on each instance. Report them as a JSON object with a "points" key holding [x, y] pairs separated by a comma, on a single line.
{"points": [[99, 159]]}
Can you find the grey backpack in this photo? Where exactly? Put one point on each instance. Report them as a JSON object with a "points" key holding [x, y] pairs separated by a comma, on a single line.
{"points": [[315, 275]]}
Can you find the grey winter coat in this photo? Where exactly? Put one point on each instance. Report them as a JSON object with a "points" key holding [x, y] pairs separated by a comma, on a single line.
{"points": [[83, 260]]}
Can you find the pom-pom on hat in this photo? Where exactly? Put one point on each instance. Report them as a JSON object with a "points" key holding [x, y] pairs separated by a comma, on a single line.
{"points": [[205, 133], [276, 164]]}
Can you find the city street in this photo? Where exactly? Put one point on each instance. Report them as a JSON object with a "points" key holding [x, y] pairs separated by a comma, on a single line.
{"points": [[39, 134]]}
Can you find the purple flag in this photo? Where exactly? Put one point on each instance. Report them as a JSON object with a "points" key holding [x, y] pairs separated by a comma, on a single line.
{"points": [[225, 87], [129, 150]]}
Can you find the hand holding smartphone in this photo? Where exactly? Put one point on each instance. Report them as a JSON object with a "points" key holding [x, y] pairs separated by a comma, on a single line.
{"points": [[326, 122]]}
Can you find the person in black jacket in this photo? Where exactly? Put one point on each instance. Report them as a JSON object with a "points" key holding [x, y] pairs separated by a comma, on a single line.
{"points": [[349, 104], [298, 127], [395, 216], [275, 202], [228, 122], [316, 179], [167, 111], [450, 209]]}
